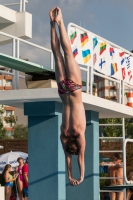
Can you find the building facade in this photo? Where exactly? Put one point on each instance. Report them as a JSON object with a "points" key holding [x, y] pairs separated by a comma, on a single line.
{"points": [[11, 113], [106, 89]]}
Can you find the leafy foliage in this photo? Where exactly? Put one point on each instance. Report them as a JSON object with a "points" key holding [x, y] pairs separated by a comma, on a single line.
{"points": [[20, 131], [116, 131], [2, 131], [11, 119]]}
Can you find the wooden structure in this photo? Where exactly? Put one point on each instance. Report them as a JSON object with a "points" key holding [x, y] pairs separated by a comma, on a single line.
{"points": [[13, 145]]}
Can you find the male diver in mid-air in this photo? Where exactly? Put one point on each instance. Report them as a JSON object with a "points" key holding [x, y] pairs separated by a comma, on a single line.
{"points": [[68, 77]]}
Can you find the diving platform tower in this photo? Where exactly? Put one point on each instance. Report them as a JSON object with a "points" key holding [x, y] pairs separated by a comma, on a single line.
{"points": [[17, 24], [47, 170]]}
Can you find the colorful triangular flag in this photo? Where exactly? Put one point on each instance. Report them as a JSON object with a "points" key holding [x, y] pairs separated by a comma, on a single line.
{"points": [[73, 36], [123, 73], [102, 47], [102, 63], [95, 42], [84, 39], [130, 75], [127, 61], [86, 55], [122, 57], [111, 50], [113, 68], [94, 58], [75, 52]]}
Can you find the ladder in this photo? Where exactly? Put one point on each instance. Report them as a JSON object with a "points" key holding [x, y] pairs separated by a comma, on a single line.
{"points": [[114, 151]]}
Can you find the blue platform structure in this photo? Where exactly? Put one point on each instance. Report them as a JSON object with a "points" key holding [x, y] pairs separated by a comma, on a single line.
{"points": [[47, 175]]}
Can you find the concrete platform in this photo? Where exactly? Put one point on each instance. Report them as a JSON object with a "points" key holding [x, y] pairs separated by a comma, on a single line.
{"points": [[106, 108], [7, 15], [18, 24]]}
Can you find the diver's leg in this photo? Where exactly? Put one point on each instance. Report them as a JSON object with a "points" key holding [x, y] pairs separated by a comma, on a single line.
{"points": [[72, 68]]}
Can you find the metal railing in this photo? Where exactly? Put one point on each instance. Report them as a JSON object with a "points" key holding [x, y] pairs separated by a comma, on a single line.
{"points": [[115, 151], [124, 159], [22, 5], [16, 54], [88, 69]]}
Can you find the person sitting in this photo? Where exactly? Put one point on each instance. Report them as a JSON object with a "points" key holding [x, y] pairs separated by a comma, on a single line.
{"points": [[130, 190], [115, 171], [69, 81], [8, 181]]}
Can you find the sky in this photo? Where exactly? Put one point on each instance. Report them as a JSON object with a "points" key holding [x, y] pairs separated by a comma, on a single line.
{"points": [[111, 19]]}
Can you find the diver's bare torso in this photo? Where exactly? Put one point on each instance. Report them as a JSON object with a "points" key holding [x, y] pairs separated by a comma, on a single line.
{"points": [[73, 115]]}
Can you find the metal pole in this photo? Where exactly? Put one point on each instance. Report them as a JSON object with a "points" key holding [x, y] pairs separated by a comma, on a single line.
{"points": [[123, 134], [87, 80], [13, 71], [91, 80], [17, 72], [52, 61], [24, 5], [4, 72], [122, 92], [21, 5], [119, 92]]}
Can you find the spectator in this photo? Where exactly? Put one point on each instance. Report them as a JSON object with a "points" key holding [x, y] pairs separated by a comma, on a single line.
{"points": [[25, 178], [130, 191], [116, 171], [20, 177], [8, 181]]}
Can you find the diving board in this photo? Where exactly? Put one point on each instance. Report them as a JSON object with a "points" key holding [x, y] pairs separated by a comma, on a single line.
{"points": [[29, 67], [23, 66]]}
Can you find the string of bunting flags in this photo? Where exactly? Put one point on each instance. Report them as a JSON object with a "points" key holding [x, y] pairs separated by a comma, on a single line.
{"points": [[91, 51]]}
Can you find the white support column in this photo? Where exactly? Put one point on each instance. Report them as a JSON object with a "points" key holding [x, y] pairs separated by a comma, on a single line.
{"points": [[17, 72], [119, 92], [91, 80], [24, 2], [21, 3], [123, 135], [14, 55], [122, 83], [87, 80], [51, 61]]}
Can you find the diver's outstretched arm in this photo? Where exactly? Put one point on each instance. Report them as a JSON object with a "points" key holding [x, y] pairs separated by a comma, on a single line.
{"points": [[68, 157], [81, 142], [72, 68], [55, 46]]}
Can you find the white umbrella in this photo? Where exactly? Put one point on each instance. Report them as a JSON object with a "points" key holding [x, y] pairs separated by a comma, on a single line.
{"points": [[11, 158]]}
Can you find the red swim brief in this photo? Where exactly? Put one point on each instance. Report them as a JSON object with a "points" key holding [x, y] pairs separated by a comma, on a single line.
{"points": [[67, 86]]}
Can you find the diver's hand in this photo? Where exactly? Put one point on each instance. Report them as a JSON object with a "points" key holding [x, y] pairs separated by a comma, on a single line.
{"points": [[73, 182], [80, 180]]}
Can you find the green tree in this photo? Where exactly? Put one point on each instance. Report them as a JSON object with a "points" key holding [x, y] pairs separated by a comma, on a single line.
{"points": [[20, 131], [116, 131], [2, 130]]}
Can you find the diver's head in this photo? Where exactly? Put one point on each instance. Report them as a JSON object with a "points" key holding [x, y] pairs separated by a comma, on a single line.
{"points": [[72, 147]]}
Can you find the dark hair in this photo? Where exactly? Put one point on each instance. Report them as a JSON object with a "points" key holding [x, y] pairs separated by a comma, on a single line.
{"points": [[72, 147], [6, 168], [118, 156], [26, 160], [20, 158]]}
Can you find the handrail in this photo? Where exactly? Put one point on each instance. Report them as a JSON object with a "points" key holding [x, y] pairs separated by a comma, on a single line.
{"points": [[26, 42], [110, 124], [89, 70], [111, 43], [111, 151], [22, 4], [124, 159]]}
